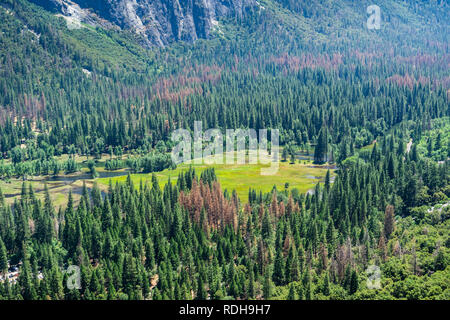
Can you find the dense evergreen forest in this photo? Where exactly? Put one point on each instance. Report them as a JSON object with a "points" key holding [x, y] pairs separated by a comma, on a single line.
{"points": [[374, 103]]}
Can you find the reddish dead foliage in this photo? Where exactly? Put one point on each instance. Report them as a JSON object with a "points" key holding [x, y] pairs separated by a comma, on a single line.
{"points": [[188, 83], [295, 63], [219, 211], [407, 80]]}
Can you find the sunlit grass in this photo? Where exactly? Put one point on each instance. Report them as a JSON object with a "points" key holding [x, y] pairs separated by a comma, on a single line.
{"points": [[241, 177], [302, 175]]}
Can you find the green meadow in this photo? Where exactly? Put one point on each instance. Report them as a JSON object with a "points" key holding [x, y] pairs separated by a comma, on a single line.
{"points": [[303, 175], [241, 177]]}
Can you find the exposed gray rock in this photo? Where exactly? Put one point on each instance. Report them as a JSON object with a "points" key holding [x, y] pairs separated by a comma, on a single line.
{"points": [[160, 22]]}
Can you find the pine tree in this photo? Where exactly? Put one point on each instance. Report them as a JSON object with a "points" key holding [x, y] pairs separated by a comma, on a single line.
{"points": [[201, 291], [251, 285], [391, 169], [353, 282], [321, 149], [382, 247], [326, 285], [56, 284], [389, 221], [327, 181], [430, 147], [284, 154], [308, 287], [292, 265], [291, 295], [267, 287], [3, 257], [278, 272]]}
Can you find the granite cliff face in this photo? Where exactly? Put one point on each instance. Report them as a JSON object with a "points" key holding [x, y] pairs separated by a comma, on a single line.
{"points": [[160, 22]]}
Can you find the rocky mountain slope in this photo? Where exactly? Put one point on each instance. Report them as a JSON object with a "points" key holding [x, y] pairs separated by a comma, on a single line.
{"points": [[159, 22]]}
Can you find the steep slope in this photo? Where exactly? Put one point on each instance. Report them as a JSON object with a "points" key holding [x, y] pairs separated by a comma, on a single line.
{"points": [[163, 22], [159, 22]]}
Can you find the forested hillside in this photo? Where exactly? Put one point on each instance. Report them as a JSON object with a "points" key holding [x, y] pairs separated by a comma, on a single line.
{"points": [[373, 105]]}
